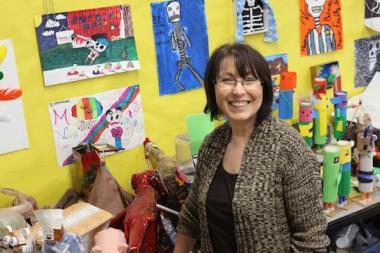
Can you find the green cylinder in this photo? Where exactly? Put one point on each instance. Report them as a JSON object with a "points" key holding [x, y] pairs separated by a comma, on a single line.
{"points": [[331, 173]]}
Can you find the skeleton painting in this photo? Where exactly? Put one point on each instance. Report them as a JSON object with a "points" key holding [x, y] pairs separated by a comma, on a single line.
{"points": [[372, 14], [84, 44], [181, 41], [367, 60], [321, 26], [254, 17], [113, 117]]}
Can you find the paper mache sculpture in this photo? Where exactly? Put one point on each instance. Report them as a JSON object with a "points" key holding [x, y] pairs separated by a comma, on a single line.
{"points": [[140, 220], [366, 150], [331, 176], [110, 241], [23, 203]]}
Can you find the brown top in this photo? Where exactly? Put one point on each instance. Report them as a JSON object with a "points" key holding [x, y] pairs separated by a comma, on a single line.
{"points": [[276, 204]]}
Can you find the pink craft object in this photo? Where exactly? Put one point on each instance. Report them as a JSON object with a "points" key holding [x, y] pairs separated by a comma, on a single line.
{"points": [[110, 241]]}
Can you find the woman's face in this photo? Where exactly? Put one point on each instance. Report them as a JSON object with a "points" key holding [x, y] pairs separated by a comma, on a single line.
{"points": [[239, 103]]}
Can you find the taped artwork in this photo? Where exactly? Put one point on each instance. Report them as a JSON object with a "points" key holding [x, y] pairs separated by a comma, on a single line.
{"points": [[278, 64], [114, 117], [255, 18], [13, 134], [321, 26], [372, 14], [85, 44], [367, 60], [181, 40]]}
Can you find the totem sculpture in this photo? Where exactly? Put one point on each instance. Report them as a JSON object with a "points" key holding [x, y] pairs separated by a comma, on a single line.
{"points": [[366, 150], [320, 121], [305, 123], [288, 83], [345, 162], [331, 176]]}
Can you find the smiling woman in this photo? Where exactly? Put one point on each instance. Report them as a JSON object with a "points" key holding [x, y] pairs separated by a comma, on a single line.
{"points": [[253, 191]]}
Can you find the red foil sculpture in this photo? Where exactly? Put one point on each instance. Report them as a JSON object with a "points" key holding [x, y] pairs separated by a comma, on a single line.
{"points": [[141, 219]]}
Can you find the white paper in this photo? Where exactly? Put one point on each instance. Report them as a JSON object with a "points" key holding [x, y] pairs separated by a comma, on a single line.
{"points": [[13, 135], [370, 103], [76, 121]]}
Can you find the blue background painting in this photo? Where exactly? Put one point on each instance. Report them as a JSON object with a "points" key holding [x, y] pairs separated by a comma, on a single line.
{"points": [[194, 22]]}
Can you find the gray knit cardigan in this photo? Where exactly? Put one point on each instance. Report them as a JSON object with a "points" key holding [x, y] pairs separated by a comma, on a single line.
{"points": [[276, 204]]}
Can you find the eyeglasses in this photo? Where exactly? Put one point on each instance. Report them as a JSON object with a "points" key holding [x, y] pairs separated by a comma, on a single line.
{"points": [[230, 82]]}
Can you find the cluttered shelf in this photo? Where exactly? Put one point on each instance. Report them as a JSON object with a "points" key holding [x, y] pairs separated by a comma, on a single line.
{"points": [[354, 227], [354, 212]]}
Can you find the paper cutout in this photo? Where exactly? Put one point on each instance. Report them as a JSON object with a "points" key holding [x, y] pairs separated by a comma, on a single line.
{"points": [[85, 44], [180, 36], [321, 26], [255, 18], [372, 14], [270, 26], [113, 117], [278, 64], [13, 133]]}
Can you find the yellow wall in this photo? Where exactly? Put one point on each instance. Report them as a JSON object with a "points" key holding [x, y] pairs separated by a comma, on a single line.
{"points": [[35, 170]]}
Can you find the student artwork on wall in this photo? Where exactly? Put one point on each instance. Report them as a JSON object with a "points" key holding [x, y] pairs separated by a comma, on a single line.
{"points": [[181, 41], [278, 63], [329, 72], [13, 134], [321, 26], [85, 44], [254, 16], [367, 60], [372, 14], [114, 117]]}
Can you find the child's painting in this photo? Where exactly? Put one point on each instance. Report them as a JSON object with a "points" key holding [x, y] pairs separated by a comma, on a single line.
{"points": [[278, 63], [367, 60], [13, 134], [254, 17], [181, 40], [329, 72], [372, 14], [114, 117], [321, 26], [85, 44]]}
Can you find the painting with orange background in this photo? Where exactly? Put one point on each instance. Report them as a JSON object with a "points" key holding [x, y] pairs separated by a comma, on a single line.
{"points": [[321, 26]]}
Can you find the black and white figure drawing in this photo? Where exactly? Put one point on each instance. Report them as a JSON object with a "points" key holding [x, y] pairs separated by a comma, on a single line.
{"points": [[179, 41], [372, 14], [367, 60], [255, 18]]}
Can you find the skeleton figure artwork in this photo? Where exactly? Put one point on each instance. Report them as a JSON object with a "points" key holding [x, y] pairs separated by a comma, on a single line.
{"points": [[367, 60], [372, 14], [178, 42], [96, 48], [114, 122], [254, 19], [181, 43], [321, 29]]}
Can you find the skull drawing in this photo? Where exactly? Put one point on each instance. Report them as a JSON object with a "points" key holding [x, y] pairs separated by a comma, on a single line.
{"points": [[374, 48], [315, 7], [173, 10]]}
